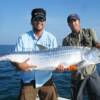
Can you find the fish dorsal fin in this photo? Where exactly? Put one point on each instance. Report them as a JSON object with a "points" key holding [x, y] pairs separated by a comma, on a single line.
{"points": [[41, 47]]}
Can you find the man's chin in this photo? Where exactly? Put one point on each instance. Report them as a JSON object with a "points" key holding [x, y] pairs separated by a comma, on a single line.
{"points": [[38, 29]]}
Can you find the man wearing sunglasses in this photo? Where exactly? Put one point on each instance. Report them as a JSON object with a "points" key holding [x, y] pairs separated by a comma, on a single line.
{"points": [[36, 82]]}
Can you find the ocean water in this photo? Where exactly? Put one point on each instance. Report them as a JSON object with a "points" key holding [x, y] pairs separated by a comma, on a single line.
{"points": [[10, 79]]}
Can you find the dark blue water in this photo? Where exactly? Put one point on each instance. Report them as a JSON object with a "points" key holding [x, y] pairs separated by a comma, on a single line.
{"points": [[10, 79]]}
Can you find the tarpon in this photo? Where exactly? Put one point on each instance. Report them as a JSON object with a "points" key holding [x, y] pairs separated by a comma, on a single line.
{"points": [[49, 59]]}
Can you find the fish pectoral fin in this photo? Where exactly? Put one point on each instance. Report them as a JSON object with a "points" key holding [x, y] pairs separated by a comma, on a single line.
{"points": [[26, 60]]}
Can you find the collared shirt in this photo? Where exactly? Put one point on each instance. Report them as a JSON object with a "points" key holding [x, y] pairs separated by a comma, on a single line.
{"points": [[86, 37], [28, 42]]}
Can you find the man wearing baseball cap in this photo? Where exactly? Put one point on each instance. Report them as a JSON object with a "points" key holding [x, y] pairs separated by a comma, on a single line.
{"points": [[88, 77], [36, 82]]}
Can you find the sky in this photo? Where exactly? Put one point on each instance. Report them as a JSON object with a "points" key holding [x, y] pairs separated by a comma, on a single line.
{"points": [[15, 17]]}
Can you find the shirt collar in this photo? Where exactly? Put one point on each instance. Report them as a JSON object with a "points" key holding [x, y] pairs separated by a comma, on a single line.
{"points": [[35, 37], [76, 34]]}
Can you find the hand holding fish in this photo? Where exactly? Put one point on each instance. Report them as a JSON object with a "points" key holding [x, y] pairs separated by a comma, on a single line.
{"points": [[60, 68], [24, 66], [72, 68]]}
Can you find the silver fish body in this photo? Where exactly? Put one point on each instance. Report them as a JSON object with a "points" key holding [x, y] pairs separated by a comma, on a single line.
{"points": [[50, 59]]}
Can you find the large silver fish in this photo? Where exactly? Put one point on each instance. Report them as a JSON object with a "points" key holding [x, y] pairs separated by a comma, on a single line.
{"points": [[50, 59]]}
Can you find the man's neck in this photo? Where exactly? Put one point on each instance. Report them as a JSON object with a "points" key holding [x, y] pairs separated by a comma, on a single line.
{"points": [[38, 33], [77, 31]]}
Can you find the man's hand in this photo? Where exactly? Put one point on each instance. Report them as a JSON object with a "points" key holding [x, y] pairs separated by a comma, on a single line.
{"points": [[23, 66], [72, 68], [60, 68]]}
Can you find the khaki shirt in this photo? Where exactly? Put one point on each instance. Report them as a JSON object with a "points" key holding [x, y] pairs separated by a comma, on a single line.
{"points": [[86, 37]]}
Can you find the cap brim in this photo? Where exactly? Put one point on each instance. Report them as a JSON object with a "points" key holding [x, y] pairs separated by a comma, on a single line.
{"points": [[74, 18], [40, 16]]}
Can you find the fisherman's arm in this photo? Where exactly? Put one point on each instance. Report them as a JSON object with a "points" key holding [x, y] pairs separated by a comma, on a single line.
{"points": [[95, 43], [24, 66]]}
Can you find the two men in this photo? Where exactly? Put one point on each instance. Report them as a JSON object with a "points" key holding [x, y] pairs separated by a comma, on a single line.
{"points": [[36, 82], [88, 77], [40, 82]]}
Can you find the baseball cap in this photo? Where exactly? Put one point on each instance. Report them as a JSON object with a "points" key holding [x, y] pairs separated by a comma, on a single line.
{"points": [[72, 17], [38, 14]]}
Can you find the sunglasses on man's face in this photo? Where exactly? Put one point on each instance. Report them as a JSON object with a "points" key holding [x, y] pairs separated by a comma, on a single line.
{"points": [[39, 19]]}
